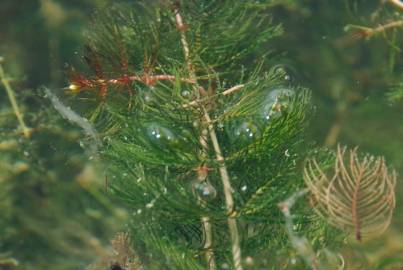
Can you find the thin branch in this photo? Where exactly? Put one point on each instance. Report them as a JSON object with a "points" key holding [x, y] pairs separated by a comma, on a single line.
{"points": [[336, 127], [225, 93], [182, 29], [232, 225], [151, 79], [397, 3], [207, 228], [236, 250], [367, 32], [384, 27], [208, 242], [208, 233], [233, 89], [13, 101], [88, 83]]}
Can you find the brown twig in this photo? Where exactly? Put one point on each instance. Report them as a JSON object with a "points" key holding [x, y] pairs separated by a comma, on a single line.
{"points": [[81, 82], [152, 79]]}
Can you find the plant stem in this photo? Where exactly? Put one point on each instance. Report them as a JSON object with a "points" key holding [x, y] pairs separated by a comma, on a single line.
{"points": [[232, 225], [384, 27], [13, 102], [208, 242], [207, 228], [397, 3], [224, 93], [334, 132], [236, 249]]}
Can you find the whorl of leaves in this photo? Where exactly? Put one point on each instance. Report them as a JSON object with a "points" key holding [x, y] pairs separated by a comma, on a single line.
{"points": [[358, 197]]}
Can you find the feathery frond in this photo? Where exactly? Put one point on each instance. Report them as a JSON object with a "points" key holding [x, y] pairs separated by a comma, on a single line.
{"points": [[358, 198]]}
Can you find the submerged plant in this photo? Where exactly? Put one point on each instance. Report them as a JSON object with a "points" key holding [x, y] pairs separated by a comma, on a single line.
{"points": [[358, 196], [202, 135]]}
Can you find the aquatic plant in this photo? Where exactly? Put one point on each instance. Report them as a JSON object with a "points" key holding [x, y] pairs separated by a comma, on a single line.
{"points": [[359, 195], [203, 136]]}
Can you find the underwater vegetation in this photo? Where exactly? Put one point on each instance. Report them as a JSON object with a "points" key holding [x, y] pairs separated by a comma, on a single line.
{"points": [[202, 135]]}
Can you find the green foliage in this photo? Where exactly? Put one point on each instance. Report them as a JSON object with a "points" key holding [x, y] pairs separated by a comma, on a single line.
{"points": [[53, 211], [153, 130], [54, 214]]}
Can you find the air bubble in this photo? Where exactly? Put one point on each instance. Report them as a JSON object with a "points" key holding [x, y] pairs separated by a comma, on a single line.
{"points": [[149, 205], [185, 93], [247, 132], [249, 260], [285, 71], [204, 190], [277, 102], [158, 133]]}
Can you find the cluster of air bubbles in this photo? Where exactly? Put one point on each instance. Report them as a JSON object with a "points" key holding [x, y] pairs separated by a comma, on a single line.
{"points": [[204, 190], [277, 102], [158, 133], [247, 132]]}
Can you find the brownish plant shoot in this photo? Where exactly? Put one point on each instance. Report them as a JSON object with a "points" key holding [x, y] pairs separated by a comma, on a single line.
{"points": [[357, 196]]}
